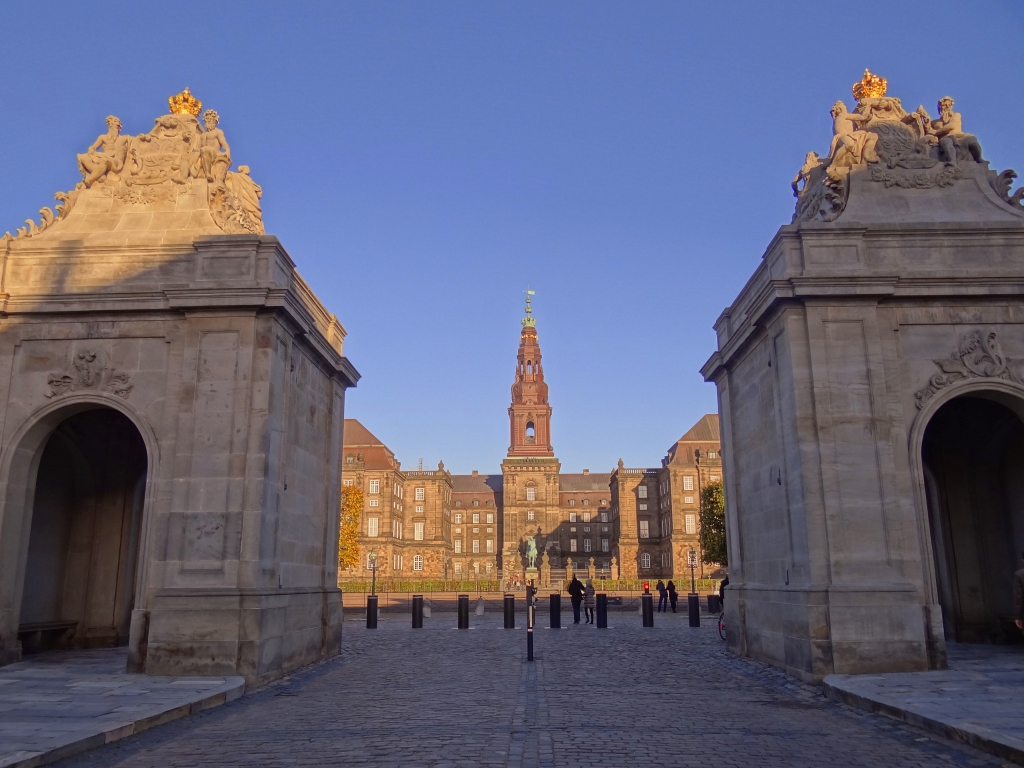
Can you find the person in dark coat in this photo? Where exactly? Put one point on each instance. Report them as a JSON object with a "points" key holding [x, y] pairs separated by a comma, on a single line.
{"points": [[662, 596], [721, 590], [575, 590], [1018, 596], [673, 595]]}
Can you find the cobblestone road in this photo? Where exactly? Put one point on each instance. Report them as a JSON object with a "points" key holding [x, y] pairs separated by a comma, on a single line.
{"points": [[668, 696]]}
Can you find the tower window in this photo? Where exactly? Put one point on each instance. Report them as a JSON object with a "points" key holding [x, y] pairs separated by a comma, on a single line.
{"points": [[530, 432], [529, 367], [531, 493]]}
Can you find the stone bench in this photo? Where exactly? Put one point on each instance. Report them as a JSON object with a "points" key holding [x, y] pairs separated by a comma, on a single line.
{"points": [[45, 635]]}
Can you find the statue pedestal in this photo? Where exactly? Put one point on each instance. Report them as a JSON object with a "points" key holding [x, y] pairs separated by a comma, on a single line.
{"points": [[532, 574]]}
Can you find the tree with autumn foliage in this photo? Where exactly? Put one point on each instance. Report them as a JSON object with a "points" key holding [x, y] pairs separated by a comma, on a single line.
{"points": [[712, 524], [348, 532]]}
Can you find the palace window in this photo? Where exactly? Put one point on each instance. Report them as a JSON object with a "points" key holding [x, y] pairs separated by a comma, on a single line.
{"points": [[458, 518], [417, 531], [487, 567], [458, 567], [347, 482], [476, 545], [715, 478], [604, 517], [645, 560], [586, 545], [586, 502], [421, 494], [350, 459], [572, 517], [417, 562], [372, 524], [586, 517], [476, 517], [458, 503], [645, 529], [572, 502], [688, 483], [490, 517], [687, 499], [490, 545], [375, 486], [374, 502], [531, 493], [572, 545], [476, 530], [691, 523], [396, 562], [396, 528], [476, 503], [458, 546], [586, 529], [642, 491], [604, 545], [711, 454], [419, 509], [490, 503], [604, 502], [643, 507], [530, 514]]}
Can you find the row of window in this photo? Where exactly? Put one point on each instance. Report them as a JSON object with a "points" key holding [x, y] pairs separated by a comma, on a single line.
{"points": [[476, 503], [588, 545], [476, 567], [489, 545], [689, 522], [476, 517], [373, 528]]}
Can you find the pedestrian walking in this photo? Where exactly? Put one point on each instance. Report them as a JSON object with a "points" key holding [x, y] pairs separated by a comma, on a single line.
{"points": [[589, 601], [1018, 596], [575, 590], [721, 590], [673, 594], [662, 597]]}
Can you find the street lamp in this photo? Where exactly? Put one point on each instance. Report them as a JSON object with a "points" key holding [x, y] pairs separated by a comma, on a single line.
{"points": [[373, 570], [693, 599]]}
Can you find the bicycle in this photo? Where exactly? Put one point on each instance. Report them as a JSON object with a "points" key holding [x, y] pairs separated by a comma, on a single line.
{"points": [[721, 625]]}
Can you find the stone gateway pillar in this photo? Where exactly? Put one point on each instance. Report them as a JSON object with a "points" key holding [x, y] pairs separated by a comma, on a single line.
{"points": [[171, 414], [871, 387]]}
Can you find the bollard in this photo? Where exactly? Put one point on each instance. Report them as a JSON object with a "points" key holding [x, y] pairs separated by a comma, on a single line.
{"points": [[647, 605], [602, 611], [694, 604], [371, 612], [463, 611], [555, 610], [531, 613], [417, 611], [510, 611]]}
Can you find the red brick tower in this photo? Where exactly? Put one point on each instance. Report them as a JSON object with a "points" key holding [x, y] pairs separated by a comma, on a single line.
{"points": [[529, 415]]}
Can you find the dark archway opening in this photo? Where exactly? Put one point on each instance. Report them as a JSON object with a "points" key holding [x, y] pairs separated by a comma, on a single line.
{"points": [[84, 544], [974, 480]]}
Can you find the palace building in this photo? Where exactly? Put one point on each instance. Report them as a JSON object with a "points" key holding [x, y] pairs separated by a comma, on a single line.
{"points": [[629, 523]]}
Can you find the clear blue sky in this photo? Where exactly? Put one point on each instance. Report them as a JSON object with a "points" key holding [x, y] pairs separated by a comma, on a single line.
{"points": [[423, 161]]}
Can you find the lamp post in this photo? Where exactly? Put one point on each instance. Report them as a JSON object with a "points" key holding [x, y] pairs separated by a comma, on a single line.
{"points": [[371, 601], [373, 570], [693, 599]]}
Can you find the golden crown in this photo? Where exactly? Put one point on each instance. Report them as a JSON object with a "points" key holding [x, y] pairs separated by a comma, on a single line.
{"points": [[870, 86], [185, 104]]}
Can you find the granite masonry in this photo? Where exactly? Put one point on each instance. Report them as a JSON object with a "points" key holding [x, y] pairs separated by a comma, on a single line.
{"points": [[171, 411], [871, 387]]}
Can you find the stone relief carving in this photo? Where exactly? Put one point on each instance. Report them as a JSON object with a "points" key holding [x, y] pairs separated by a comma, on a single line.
{"points": [[159, 165], [90, 371], [900, 149], [978, 356]]}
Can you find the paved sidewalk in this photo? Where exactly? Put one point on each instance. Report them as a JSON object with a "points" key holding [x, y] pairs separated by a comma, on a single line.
{"points": [[979, 699], [445, 698], [57, 704]]}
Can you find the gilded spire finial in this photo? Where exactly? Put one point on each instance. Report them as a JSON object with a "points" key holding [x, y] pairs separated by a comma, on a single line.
{"points": [[870, 86], [529, 321], [185, 103]]}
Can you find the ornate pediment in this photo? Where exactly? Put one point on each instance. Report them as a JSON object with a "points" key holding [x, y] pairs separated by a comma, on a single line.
{"points": [[894, 148], [181, 166], [979, 356], [90, 370]]}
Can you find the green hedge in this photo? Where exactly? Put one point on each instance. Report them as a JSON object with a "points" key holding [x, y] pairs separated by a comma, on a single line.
{"points": [[438, 585]]}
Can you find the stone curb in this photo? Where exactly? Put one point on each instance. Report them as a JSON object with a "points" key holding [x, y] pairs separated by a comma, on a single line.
{"points": [[997, 744], [235, 687]]}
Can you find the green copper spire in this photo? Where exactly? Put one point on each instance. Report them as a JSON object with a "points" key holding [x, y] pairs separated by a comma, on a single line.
{"points": [[529, 321]]}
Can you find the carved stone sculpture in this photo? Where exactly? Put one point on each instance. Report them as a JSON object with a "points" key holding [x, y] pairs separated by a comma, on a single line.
{"points": [[978, 356], [104, 156], [850, 145], [947, 130], [176, 157], [90, 371], [569, 570]]}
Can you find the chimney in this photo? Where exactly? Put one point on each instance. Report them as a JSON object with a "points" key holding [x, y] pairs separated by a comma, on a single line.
{"points": [[586, 471], [476, 473]]}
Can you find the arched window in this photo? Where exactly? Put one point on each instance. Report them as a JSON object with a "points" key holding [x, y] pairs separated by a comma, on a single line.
{"points": [[645, 560], [417, 562], [530, 432], [529, 367]]}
